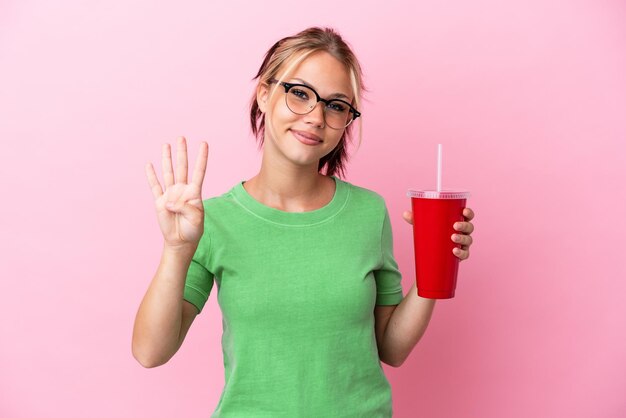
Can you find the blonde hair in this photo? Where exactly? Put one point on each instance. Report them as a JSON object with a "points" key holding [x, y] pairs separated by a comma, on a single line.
{"points": [[293, 50]]}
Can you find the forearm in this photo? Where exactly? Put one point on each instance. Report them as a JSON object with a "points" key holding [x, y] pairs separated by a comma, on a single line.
{"points": [[158, 322], [406, 327]]}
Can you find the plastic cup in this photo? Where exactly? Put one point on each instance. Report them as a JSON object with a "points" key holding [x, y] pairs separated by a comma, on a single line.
{"points": [[434, 215]]}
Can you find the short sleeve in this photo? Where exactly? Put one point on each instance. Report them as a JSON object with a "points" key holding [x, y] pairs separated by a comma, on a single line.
{"points": [[388, 276], [199, 281]]}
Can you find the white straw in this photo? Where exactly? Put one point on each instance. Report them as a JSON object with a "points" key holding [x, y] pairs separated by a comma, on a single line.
{"points": [[439, 168]]}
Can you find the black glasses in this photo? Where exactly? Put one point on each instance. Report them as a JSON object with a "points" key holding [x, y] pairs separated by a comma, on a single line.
{"points": [[302, 99]]}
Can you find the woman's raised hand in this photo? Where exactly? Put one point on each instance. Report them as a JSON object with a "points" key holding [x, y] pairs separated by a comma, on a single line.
{"points": [[179, 209]]}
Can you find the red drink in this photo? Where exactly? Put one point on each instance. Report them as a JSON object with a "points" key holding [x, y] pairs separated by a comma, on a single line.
{"points": [[434, 215]]}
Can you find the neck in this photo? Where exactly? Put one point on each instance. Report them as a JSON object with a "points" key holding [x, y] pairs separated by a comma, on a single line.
{"points": [[285, 186]]}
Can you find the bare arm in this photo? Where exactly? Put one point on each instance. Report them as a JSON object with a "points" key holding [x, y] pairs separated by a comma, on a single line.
{"points": [[164, 318], [399, 329], [405, 327]]}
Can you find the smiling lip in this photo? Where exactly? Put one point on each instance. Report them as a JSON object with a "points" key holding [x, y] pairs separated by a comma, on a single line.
{"points": [[306, 137]]}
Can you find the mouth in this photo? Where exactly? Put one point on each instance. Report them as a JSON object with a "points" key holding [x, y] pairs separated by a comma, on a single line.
{"points": [[306, 137]]}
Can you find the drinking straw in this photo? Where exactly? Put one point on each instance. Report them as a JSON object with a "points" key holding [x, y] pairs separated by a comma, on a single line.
{"points": [[439, 168]]}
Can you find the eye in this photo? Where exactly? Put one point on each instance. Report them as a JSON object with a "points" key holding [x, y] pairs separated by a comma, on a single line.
{"points": [[299, 93], [338, 107]]}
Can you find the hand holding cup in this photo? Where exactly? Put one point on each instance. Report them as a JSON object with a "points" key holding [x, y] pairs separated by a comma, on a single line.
{"points": [[464, 236]]}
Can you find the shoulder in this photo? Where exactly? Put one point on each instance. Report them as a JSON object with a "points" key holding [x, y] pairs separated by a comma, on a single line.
{"points": [[220, 210], [221, 202], [364, 196]]}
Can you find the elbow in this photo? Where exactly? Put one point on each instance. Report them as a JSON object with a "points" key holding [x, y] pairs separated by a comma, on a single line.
{"points": [[147, 362], [145, 358], [395, 364], [392, 362]]}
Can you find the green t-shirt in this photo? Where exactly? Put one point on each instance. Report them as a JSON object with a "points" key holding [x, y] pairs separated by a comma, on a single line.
{"points": [[297, 292]]}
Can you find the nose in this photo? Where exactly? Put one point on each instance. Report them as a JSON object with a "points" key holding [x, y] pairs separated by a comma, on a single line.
{"points": [[316, 116]]}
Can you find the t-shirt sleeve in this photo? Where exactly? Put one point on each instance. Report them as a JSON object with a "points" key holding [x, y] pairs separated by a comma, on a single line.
{"points": [[388, 277], [199, 281]]}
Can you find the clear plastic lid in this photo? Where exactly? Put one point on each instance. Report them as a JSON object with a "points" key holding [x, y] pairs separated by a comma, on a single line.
{"points": [[434, 194]]}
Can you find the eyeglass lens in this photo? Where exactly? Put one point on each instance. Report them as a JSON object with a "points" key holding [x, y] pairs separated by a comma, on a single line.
{"points": [[302, 100]]}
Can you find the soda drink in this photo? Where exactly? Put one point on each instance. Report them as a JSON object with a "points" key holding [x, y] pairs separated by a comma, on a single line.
{"points": [[434, 215]]}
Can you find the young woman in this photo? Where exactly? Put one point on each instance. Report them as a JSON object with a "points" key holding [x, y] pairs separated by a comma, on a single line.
{"points": [[307, 283]]}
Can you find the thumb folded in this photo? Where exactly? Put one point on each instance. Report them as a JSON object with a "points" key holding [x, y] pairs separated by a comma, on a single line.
{"points": [[189, 212]]}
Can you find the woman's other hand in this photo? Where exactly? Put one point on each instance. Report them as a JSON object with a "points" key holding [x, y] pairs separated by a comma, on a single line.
{"points": [[463, 236]]}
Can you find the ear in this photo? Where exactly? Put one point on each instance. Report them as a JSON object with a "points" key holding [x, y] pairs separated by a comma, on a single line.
{"points": [[262, 94]]}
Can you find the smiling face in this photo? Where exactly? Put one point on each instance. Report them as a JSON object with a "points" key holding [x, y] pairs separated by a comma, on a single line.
{"points": [[304, 139]]}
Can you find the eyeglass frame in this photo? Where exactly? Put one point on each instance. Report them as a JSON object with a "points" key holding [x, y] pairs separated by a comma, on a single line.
{"points": [[288, 87]]}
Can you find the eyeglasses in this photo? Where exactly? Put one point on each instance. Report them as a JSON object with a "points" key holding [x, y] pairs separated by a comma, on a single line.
{"points": [[302, 99]]}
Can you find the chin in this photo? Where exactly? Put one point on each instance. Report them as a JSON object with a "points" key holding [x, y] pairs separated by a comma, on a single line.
{"points": [[302, 159], [297, 152]]}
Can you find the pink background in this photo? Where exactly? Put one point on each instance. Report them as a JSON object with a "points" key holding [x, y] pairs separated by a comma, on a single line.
{"points": [[527, 98]]}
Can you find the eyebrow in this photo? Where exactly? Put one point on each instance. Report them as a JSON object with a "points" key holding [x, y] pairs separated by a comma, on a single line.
{"points": [[335, 95]]}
